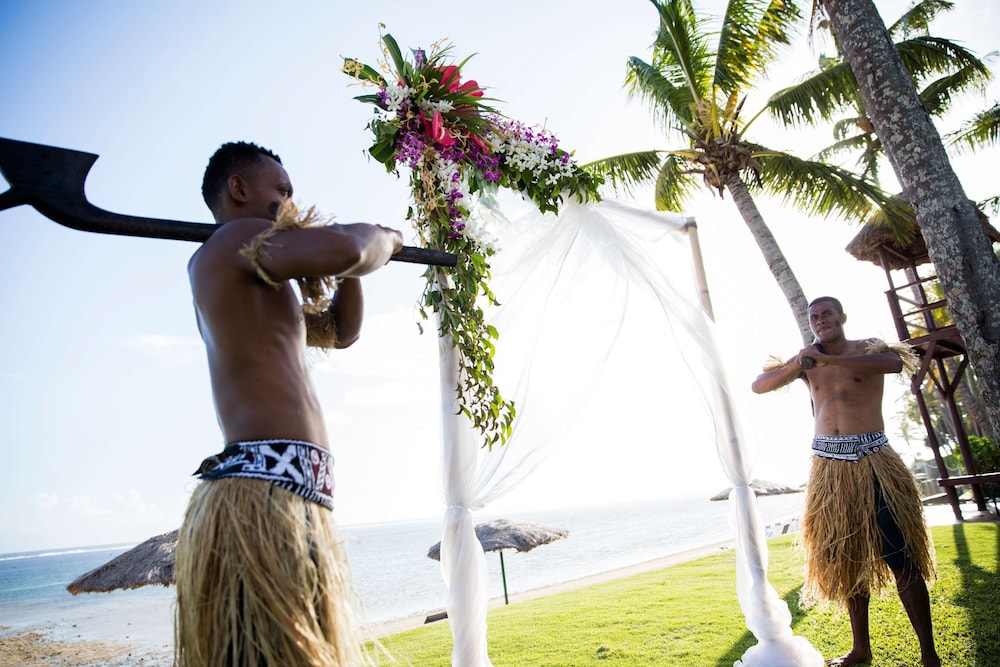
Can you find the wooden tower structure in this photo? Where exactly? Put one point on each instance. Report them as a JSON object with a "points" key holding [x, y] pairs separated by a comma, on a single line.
{"points": [[923, 319]]}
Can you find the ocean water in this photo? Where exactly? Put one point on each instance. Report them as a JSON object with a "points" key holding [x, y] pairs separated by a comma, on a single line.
{"points": [[393, 575]]}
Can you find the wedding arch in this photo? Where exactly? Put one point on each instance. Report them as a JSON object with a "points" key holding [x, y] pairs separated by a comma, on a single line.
{"points": [[516, 370], [574, 276]]}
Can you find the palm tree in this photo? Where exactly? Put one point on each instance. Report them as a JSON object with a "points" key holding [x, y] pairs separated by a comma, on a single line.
{"points": [[962, 255], [696, 88], [942, 68]]}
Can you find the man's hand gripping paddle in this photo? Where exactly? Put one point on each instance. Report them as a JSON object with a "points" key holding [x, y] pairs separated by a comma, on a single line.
{"points": [[51, 179]]}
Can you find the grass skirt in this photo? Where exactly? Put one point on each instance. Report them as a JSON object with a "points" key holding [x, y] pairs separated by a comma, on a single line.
{"points": [[840, 533], [262, 579]]}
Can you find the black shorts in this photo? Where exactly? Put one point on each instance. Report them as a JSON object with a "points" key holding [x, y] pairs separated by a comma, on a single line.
{"points": [[894, 551]]}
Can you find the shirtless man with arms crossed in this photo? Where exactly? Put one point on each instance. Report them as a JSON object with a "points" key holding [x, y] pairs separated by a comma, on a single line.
{"points": [[863, 517]]}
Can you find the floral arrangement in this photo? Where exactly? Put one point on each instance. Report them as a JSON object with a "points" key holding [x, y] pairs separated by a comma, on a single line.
{"points": [[458, 149]]}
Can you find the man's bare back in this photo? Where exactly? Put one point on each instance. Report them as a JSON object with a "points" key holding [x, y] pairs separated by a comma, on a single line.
{"points": [[255, 339], [255, 331]]}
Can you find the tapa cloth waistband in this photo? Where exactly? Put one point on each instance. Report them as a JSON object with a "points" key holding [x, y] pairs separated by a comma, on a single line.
{"points": [[849, 447], [294, 465]]}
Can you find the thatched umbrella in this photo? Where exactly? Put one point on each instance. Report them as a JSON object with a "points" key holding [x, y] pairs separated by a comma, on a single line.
{"points": [[152, 562], [503, 534], [760, 487]]}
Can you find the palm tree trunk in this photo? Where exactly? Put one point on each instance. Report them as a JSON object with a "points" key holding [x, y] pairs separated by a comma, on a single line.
{"points": [[775, 259], [956, 242]]}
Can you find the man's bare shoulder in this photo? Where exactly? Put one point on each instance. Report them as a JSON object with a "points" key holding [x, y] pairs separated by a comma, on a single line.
{"points": [[223, 246], [858, 347]]}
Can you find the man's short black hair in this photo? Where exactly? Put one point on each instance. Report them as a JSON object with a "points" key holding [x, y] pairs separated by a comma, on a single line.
{"points": [[836, 303], [232, 158]]}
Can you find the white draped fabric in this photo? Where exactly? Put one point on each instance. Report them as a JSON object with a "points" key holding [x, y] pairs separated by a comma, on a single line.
{"points": [[567, 283]]}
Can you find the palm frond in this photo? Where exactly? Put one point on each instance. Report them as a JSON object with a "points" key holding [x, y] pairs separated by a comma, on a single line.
{"points": [[818, 97], [681, 48], [852, 126], [917, 19], [823, 189], [671, 104], [843, 146], [674, 184], [625, 172], [898, 217], [983, 129], [870, 159], [821, 95], [926, 56], [937, 96], [752, 31]]}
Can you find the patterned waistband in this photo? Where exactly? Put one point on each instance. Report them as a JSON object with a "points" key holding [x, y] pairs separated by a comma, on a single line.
{"points": [[849, 447], [294, 465]]}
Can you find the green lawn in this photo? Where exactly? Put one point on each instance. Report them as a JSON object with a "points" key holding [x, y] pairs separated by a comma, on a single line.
{"points": [[687, 616]]}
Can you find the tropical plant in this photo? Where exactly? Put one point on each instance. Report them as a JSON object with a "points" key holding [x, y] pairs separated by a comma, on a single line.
{"points": [[986, 458], [980, 131], [696, 85], [941, 68], [957, 244]]}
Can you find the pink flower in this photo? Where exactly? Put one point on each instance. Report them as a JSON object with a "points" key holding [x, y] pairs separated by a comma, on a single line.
{"points": [[435, 129], [447, 73], [451, 78], [477, 140], [470, 88]]}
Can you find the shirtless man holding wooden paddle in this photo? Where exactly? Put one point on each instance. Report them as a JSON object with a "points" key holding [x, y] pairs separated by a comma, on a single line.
{"points": [[262, 578]]}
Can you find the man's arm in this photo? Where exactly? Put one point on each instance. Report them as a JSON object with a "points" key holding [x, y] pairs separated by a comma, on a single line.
{"points": [[885, 362], [339, 325], [776, 378], [348, 251]]}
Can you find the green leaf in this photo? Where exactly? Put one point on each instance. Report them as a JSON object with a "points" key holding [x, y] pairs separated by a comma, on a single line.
{"points": [[369, 99], [397, 57], [362, 72]]}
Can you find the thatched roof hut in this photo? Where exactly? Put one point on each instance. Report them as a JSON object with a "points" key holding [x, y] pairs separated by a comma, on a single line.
{"points": [[865, 246]]}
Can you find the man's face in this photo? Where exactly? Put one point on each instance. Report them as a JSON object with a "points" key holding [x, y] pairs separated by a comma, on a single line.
{"points": [[266, 187], [826, 322]]}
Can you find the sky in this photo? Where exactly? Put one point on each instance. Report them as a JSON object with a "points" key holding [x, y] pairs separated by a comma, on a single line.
{"points": [[105, 407]]}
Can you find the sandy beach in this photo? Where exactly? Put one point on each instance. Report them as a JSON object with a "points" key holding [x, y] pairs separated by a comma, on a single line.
{"points": [[67, 645], [36, 648]]}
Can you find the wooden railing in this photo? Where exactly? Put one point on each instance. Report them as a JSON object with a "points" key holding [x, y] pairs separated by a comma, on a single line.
{"points": [[913, 314]]}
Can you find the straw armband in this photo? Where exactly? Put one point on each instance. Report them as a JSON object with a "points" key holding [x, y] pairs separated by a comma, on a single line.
{"points": [[906, 354], [773, 363], [316, 291]]}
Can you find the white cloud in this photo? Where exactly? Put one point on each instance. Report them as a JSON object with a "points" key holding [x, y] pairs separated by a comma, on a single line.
{"points": [[85, 506], [389, 347], [338, 418], [46, 500], [389, 393], [165, 350], [134, 503]]}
